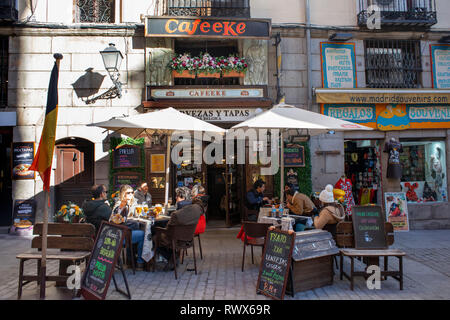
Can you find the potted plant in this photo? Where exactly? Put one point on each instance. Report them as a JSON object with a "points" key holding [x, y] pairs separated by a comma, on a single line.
{"points": [[182, 66], [233, 66], [207, 66], [70, 213]]}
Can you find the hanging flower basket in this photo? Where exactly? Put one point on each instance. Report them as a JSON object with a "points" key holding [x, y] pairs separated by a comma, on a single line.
{"points": [[208, 75], [183, 74], [233, 74]]}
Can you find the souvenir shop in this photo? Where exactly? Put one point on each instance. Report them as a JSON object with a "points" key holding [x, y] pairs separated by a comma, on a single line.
{"points": [[363, 169]]}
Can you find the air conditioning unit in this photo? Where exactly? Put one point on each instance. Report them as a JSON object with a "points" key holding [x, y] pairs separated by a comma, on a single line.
{"points": [[8, 11]]}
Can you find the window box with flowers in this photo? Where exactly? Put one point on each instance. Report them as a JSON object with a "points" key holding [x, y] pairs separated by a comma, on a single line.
{"points": [[70, 213], [182, 66], [207, 66], [233, 66]]}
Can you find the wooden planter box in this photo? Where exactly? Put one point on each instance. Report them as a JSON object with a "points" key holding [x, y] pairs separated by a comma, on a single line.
{"points": [[312, 273], [233, 74], [208, 75], [184, 74]]}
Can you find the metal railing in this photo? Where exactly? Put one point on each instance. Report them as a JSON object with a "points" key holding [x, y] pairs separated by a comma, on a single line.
{"points": [[208, 8], [395, 13], [393, 63]]}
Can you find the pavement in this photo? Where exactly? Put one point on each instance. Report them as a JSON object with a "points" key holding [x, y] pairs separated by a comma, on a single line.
{"points": [[426, 273]]}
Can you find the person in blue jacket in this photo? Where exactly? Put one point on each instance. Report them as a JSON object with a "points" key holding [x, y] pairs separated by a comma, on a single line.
{"points": [[255, 199]]}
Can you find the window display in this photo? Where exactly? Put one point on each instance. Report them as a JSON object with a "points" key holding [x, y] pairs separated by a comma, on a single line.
{"points": [[424, 171]]}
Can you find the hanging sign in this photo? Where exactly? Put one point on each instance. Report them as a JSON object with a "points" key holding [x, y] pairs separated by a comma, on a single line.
{"points": [[127, 156], [22, 158], [206, 93], [294, 155], [193, 27], [338, 65], [440, 65]]}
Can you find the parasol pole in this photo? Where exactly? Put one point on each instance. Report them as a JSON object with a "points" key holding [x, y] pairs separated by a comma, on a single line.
{"points": [[282, 167], [166, 198]]}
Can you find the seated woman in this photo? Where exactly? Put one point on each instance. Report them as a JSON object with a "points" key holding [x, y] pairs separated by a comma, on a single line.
{"points": [[123, 209], [331, 213]]}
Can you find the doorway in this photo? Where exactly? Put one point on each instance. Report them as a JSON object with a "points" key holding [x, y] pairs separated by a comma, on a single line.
{"points": [[5, 177], [74, 175]]}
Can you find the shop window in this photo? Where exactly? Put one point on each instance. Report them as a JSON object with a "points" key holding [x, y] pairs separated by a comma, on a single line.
{"points": [[393, 63], [424, 176], [363, 168], [94, 11], [3, 71]]}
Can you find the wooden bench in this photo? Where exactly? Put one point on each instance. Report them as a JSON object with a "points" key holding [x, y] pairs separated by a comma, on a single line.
{"points": [[345, 240], [71, 244]]}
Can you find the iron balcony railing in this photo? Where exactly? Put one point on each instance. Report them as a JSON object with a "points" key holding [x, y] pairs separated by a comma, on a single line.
{"points": [[398, 13], [208, 8]]}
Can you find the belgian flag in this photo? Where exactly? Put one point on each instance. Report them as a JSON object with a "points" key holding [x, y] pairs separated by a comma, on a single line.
{"points": [[43, 160]]}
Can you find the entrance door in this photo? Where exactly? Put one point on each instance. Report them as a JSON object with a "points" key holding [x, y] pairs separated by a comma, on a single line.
{"points": [[217, 192], [5, 177], [233, 193], [74, 175]]}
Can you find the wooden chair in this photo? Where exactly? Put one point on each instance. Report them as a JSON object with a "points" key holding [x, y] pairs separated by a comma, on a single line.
{"points": [[128, 244], [74, 241], [257, 232], [346, 241], [181, 238]]}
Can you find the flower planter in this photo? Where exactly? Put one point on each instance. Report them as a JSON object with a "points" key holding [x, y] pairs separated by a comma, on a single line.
{"points": [[60, 219], [208, 75], [184, 74], [233, 74]]}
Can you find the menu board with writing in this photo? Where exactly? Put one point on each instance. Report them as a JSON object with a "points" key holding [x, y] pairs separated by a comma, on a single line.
{"points": [[275, 263], [24, 213], [368, 227], [104, 256], [22, 158], [294, 155], [130, 178], [440, 63], [127, 156], [338, 65]]}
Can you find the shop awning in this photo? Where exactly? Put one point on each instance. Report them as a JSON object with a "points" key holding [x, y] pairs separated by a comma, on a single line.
{"points": [[385, 96]]}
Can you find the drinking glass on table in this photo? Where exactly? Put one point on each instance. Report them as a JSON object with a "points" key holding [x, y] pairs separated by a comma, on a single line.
{"points": [[138, 211]]}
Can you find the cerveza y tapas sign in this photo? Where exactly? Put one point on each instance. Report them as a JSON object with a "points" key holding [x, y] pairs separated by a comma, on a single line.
{"points": [[207, 27]]}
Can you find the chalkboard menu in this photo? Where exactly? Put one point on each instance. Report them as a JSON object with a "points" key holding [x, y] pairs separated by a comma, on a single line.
{"points": [[368, 227], [294, 155], [100, 269], [24, 213], [130, 178], [127, 156], [275, 263], [22, 158]]}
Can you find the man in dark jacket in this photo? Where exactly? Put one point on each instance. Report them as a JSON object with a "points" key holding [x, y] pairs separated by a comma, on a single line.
{"points": [[188, 215], [97, 210], [255, 199]]}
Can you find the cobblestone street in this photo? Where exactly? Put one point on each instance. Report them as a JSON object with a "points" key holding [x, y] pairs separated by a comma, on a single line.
{"points": [[426, 267]]}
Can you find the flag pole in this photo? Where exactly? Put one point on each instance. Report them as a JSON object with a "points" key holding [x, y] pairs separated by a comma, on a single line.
{"points": [[43, 269]]}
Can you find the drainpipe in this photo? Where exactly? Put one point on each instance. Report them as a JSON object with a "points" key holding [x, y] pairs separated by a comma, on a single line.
{"points": [[309, 52]]}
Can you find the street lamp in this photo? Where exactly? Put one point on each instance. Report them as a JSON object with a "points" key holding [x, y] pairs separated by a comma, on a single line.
{"points": [[112, 59]]}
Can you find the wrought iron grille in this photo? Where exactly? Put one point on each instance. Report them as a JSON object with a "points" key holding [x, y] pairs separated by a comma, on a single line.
{"points": [[405, 13], [98, 11], [206, 8], [3, 71], [393, 63]]}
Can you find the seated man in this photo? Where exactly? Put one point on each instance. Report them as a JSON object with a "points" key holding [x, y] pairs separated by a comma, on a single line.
{"points": [[255, 199], [299, 203], [183, 197], [97, 210], [142, 196], [188, 215]]}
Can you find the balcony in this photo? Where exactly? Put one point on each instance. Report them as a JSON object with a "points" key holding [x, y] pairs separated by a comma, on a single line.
{"points": [[406, 14], [208, 8]]}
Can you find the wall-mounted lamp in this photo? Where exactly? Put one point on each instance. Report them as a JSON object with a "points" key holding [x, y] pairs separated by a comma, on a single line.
{"points": [[112, 59], [156, 139], [340, 37]]}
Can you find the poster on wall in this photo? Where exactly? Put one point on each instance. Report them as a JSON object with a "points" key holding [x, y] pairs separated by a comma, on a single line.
{"points": [[440, 65], [22, 158], [397, 210], [338, 65], [158, 163]]}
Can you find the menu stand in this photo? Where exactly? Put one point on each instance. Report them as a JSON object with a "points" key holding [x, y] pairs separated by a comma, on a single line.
{"points": [[120, 267]]}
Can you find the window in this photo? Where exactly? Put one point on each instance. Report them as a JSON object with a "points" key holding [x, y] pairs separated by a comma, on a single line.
{"points": [[393, 63], [214, 8], [424, 176], [97, 11], [3, 71]]}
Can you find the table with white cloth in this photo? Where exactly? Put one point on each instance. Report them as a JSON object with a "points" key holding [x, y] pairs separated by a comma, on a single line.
{"points": [[147, 250], [286, 222]]}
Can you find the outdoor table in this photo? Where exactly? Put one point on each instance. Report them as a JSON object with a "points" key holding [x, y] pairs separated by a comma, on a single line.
{"points": [[287, 223]]}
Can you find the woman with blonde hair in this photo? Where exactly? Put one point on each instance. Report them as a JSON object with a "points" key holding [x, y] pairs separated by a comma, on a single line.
{"points": [[123, 209]]}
